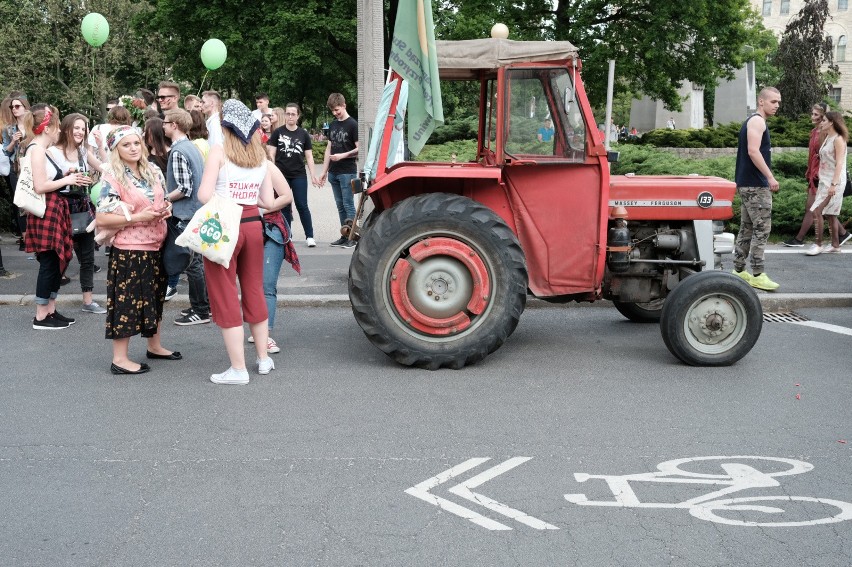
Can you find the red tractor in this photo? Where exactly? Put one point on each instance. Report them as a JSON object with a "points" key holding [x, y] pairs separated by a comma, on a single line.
{"points": [[450, 252]]}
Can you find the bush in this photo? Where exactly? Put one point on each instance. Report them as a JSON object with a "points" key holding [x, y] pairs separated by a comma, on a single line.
{"points": [[784, 132], [465, 150]]}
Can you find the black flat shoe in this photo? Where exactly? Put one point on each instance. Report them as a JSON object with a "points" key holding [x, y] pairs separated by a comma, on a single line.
{"points": [[173, 356], [143, 368]]}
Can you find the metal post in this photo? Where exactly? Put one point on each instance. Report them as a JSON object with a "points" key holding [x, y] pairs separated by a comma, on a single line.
{"points": [[371, 79], [609, 89]]}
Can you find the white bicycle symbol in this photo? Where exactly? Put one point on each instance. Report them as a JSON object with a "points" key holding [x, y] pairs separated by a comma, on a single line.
{"points": [[739, 476]]}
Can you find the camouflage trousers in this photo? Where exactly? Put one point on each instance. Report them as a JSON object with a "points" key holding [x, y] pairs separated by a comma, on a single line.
{"points": [[755, 226]]}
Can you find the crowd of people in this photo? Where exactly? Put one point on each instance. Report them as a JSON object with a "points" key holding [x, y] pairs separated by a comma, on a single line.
{"points": [[133, 185]]}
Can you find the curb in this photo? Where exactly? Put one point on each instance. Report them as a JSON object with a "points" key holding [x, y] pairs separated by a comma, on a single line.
{"points": [[770, 302]]}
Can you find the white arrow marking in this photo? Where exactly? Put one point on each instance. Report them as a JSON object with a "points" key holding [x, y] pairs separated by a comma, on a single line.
{"points": [[421, 491], [464, 491]]}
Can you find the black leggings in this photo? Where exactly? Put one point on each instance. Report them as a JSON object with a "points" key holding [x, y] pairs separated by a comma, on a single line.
{"points": [[84, 248]]}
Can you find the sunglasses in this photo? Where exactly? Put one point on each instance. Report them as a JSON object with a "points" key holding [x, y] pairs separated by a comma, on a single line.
{"points": [[164, 97], [16, 106]]}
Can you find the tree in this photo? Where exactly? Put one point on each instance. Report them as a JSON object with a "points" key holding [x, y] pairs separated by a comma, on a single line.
{"points": [[295, 51], [805, 57], [44, 54]]}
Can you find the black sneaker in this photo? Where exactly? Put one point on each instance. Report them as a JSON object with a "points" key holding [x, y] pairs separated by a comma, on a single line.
{"points": [[49, 323], [340, 242], [170, 292], [193, 318], [60, 317], [97, 268], [845, 237], [793, 243], [64, 281], [186, 311], [348, 244]]}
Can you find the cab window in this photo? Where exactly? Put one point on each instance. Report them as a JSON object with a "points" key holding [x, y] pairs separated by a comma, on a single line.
{"points": [[543, 118]]}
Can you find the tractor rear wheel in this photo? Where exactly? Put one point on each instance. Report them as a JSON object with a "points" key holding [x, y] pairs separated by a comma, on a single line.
{"points": [[438, 281]]}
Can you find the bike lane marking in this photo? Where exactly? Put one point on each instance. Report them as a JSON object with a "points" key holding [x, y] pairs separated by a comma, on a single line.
{"points": [[825, 327]]}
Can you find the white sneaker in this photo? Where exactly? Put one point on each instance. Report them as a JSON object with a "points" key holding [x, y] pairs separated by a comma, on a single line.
{"points": [[272, 347], [231, 376], [251, 339], [814, 250], [264, 365], [829, 249], [311, 242]]}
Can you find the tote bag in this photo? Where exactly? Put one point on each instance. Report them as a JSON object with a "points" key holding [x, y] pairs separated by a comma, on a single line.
{"points": [[213, 230], [26, 197]]}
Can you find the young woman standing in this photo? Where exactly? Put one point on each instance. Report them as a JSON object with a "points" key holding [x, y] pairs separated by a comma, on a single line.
{"points": [[237, 170], [49, 238], [832, 180], [136, 279], [14, 132], [291, 148], [70, 155]]}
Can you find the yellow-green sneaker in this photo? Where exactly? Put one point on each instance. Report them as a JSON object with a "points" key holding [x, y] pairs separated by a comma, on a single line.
{"points": [[744, 275], [763, 282]]}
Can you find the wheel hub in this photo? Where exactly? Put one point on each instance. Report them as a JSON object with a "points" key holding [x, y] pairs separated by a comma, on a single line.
{"points": [[439, 286], [712, 320]]}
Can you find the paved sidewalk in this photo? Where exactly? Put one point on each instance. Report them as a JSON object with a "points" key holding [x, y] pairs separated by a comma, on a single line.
{"points": [[820, 281]]}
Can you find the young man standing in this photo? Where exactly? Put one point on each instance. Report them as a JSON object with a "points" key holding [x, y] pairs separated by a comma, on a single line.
{"points": [[261, 101], [755, 184], [340, 163], [191, 102], [183, 178]]}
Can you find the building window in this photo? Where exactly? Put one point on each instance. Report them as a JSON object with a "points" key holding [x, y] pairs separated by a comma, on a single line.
{"points": [[834, 94], [767, 7], [785, 7], [841, 48], [842, 5]]}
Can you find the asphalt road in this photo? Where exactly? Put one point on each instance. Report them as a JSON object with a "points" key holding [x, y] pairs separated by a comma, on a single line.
{"points": [[310, 465]]}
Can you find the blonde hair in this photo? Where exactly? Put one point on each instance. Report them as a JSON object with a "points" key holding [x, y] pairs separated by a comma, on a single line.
{"points": [[146, 169], [244, 155], [181, 118], [279, 115]]}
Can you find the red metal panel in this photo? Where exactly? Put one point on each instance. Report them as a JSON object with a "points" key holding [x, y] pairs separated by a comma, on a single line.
{"points": [[672, 197]]}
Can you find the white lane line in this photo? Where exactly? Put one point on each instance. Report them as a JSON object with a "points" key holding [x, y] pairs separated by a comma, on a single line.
{"points": [[825, 327], [798, 251], [464, 491], [421, 491]]}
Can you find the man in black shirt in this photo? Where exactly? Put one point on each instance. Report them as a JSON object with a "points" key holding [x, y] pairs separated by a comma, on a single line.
{"points": [[340, 162]]}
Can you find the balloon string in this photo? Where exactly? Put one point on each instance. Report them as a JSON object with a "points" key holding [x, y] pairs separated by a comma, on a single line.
{"points": [[93, 80], [202, 82]]}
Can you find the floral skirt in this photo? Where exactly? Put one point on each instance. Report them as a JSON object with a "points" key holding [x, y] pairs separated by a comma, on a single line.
{"points": [[136, 291]]}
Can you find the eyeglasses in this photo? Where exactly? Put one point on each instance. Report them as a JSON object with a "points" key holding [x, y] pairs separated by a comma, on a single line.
{"points": [[167, 122], [164, 97], [16, 106]]}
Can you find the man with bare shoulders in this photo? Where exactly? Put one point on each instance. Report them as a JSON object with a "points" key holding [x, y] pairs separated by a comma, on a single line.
{"points": [[755, 184]]}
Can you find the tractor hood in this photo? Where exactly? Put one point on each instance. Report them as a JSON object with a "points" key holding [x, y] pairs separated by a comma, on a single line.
{"points": [[672, 197]]}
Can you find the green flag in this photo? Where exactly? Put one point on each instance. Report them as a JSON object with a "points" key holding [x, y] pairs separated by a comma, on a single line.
{"points": [[413, 57]]}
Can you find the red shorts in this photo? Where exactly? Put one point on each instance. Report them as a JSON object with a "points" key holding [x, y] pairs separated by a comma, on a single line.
{"points": [[247, 265]]}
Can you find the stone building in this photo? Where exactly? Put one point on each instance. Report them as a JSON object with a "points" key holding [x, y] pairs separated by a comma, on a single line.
{"points": [[777, 13]]}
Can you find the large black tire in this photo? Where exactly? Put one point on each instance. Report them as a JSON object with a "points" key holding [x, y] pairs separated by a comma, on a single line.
{"points": [[446, 247], [649, 312], [711, 319]]}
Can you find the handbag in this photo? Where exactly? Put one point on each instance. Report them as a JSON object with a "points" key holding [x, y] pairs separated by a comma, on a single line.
{"points": [[26, 197], [847, 191], [175, 258], [213, 230], [80, 223]]}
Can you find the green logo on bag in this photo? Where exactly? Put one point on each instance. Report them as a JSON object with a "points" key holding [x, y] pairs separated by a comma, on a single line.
{"points": [[211, 231]]}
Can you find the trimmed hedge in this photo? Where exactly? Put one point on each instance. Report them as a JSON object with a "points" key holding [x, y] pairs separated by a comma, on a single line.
{"points": [[784, 132]]}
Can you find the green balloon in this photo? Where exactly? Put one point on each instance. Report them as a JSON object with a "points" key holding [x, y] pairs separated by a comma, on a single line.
{"points": [[95, 29], [213, 54]]}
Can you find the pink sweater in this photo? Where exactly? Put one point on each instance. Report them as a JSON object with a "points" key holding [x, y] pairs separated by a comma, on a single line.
{"points": [[141, 235]]}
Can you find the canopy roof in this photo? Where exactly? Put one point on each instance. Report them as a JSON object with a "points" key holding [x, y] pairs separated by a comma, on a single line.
{"points": [[464, 59]]}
